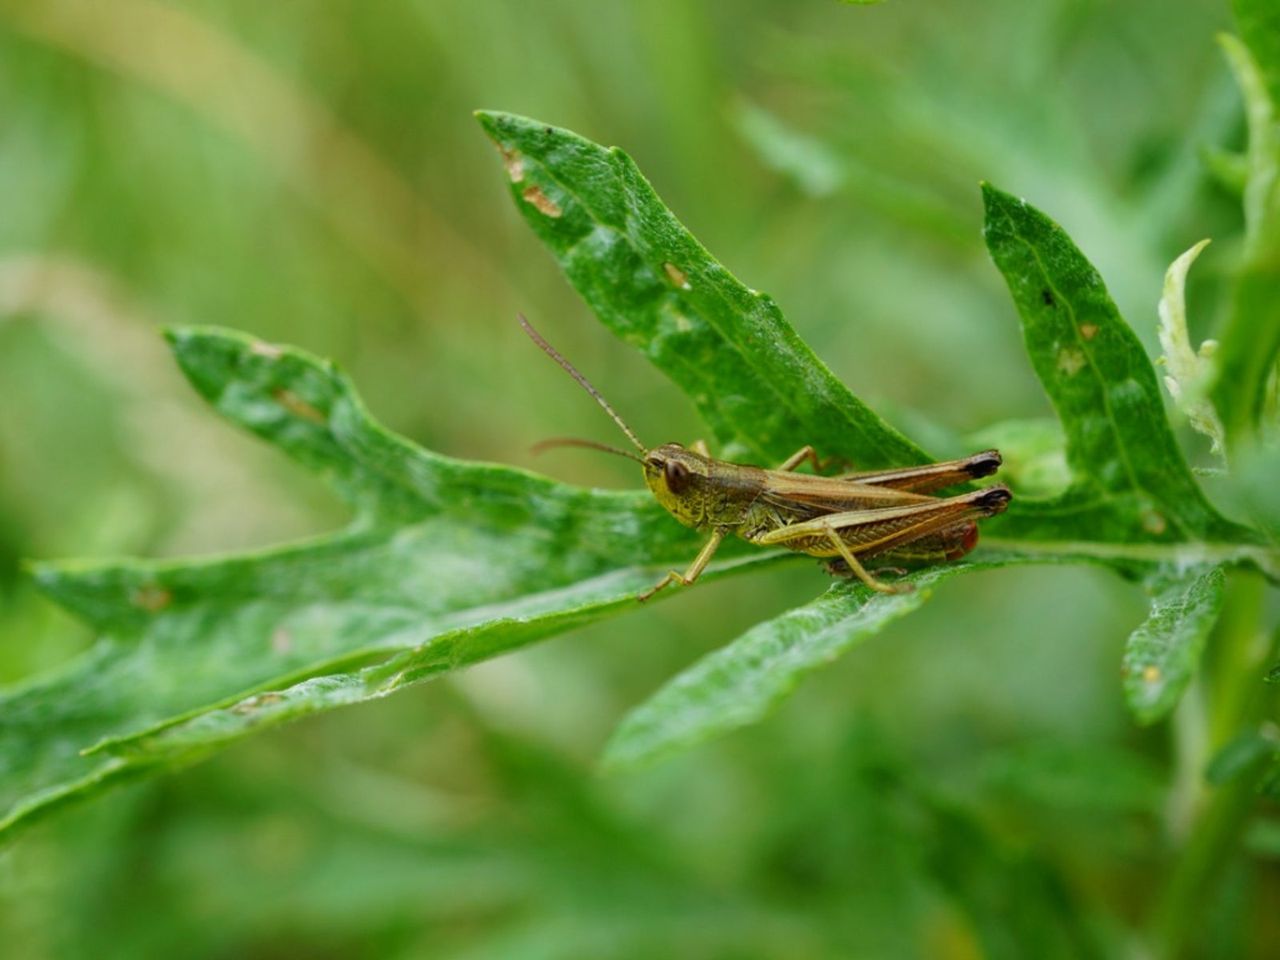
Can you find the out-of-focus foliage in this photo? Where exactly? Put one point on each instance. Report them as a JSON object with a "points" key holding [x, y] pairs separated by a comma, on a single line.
{"points": [[319, 181], [446, 564]]}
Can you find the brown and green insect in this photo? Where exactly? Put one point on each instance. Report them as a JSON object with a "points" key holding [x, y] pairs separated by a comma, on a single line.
{"points": [[885, 515]]}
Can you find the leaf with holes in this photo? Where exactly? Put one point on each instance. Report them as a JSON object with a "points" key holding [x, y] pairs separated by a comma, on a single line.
{"points": [[445, 563]]}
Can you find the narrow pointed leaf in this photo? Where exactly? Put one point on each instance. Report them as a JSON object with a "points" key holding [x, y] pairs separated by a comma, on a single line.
{"points": [[755, 382], [1130, 483], [744, 681]]}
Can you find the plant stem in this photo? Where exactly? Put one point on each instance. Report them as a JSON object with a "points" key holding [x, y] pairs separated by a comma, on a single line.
{"points": [[1237, 696]]}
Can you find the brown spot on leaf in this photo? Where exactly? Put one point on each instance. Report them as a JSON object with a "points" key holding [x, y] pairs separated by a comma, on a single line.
{"points": [[1070, 361], [513, 162], [545, 204], [1151, 673], [1088, 330], [676, 275], [260, 348], [1047, 296], [297, 406], [1154, 522], [151, 597]]}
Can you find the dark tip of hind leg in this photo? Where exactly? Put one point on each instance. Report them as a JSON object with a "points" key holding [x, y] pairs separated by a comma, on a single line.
{"points": [[985, 463], [994, 499]]}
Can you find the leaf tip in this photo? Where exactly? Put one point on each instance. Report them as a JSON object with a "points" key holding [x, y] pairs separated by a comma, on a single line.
{"points": [[177, 336], [993, 197], [488, 120], [502, 126], [182, 337]]}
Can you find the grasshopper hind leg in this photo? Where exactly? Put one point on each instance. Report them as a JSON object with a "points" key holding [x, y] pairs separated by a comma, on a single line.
{"points": [[851, 563], [944, 546]]}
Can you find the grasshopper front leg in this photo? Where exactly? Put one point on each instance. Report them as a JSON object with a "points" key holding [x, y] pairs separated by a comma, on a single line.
{"points": [[811, 455], [695, 569]]}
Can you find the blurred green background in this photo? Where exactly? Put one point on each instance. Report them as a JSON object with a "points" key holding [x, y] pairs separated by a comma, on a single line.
{"points": [[312, 173]]}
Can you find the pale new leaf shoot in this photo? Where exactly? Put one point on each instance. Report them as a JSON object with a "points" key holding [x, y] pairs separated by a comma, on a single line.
{"points": [[1188, 372]]}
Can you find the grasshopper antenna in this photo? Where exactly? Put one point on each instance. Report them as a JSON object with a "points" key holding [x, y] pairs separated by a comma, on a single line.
{"points": [[583, 382], [575, 442]]}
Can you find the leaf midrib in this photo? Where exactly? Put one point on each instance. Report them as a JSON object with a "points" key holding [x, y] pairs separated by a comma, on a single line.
{"points": [[1178, 553]]}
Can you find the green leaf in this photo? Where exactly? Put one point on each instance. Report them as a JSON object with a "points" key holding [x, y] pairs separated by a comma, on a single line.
{"points": [[1161, 656], [1132, 498], [446, 563], [1129, 482], [754, 381], [745, 680]]}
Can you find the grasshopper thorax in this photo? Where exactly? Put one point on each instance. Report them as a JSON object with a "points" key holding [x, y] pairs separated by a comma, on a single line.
{"points": [[678, 478]]}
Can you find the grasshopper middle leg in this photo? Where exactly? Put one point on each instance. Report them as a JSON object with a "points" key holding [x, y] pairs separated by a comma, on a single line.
{"points": [[807, 453]]}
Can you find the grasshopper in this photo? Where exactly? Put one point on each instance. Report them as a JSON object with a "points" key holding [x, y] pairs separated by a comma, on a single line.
{"points": [[888, 515]]}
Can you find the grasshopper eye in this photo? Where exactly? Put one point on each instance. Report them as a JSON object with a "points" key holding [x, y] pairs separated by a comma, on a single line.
{"points": [[676, 475]]}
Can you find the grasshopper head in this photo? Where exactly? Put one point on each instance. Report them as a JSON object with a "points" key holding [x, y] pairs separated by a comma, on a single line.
{"points": [[678, 479]]}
